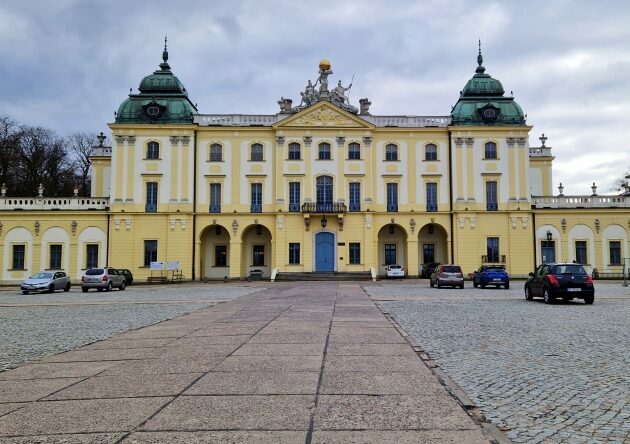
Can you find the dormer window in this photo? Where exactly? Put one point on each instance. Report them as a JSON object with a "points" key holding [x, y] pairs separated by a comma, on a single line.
{"points": [[153, 150], [256, 153]]}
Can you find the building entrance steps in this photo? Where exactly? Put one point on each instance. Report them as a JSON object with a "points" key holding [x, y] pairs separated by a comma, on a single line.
{"points": [[296, 363]]}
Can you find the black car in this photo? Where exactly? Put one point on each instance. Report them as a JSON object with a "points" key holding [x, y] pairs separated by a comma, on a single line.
{"points": [[127, 274], [566, 281]]}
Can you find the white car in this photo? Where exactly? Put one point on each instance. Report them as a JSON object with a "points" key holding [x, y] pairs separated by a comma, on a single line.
{"points": [[395, 271]]}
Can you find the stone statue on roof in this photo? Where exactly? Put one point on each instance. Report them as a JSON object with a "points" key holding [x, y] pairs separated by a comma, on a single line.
{"points": [[309, 96]]}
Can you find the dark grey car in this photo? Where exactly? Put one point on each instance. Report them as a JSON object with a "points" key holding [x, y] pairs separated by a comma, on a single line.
{"points": [[102, 279], [447, 275]]}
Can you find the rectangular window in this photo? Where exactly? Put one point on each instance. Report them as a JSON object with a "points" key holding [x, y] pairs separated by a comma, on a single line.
{"points": [[324, 151], [216, 153], [259, 256], [256, 153], [580, 252], [432, 196], [548, 251], [256, 198], [150, 252], [19, 252], [392, 197], [152, 197], [91, 255], [428, 253], [354, 151], [490, 151], [390, 254], [294, 197], [220, 255], [215, 197], [354, 192], [355, 253], [492, 248], [294, 151], [615, 252], [55, 256], [391, 152], [491, 196], [430, 152], [294, 253], [153, 150]]}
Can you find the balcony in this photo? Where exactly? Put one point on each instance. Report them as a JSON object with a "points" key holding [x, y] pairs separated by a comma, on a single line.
{"points": [[392, 207], [492, 206], [610, 201], [215, 208], [493, 259], [256, 208], [54, 203], [150, 207], [294, 207], [354, 207], [329, 207], [431, 207]]}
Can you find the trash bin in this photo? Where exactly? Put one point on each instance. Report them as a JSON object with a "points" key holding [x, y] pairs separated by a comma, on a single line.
{"points": [[255, 275]]}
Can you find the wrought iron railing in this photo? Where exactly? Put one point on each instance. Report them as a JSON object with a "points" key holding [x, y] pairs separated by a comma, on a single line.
{"points": [[431, 207], [150, 208], [354, 207], [329, 207], [215, 208], [493, 259], [392, 208], [492, 206], [256, 208], [294, 207]]}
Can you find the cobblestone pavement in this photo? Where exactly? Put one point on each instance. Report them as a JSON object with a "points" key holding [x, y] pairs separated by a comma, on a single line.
{"points": [[38, 325], [543, 373]]}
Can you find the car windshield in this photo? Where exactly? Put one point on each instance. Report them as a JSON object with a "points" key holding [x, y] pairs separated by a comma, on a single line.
{"points": [[42, 276], [495, 269], [94, 271], [568, 269], [395, 266], [452, 269]]}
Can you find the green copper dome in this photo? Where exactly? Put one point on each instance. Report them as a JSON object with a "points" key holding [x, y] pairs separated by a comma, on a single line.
{"points": [[482, 102], [162, 99]]}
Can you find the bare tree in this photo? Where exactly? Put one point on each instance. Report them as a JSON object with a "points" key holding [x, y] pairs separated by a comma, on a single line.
{"points": [[79, 148], [10, 134]]}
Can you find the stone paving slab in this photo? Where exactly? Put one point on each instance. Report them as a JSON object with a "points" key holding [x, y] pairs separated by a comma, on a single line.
{"points": [[216, 437], [10, 407], [129, 343], [280, 350], [345, 348], [58, 370], [116, 354], [256, 383], [87, 438], [270, 363], [278, 412], [382, 383], [164, 366], [408, 437], [86, 416], [23, 390], [402, 363]]}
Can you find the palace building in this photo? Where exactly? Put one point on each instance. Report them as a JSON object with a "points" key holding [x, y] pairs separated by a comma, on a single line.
{"points": [[320, 186]]}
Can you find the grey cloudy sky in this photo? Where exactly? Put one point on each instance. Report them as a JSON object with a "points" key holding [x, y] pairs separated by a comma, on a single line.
{"points": [[67, 64]]}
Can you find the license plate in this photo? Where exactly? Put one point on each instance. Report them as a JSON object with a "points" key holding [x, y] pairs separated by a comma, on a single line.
{"points": [[497, 279], [574, 289]]}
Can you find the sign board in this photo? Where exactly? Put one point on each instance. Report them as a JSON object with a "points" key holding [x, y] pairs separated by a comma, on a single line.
{"points": [[157, 265], [172, 265]]}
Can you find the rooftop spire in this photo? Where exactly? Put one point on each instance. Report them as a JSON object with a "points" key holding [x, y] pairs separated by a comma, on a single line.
{"points": [[164, 65], [480, 69]]}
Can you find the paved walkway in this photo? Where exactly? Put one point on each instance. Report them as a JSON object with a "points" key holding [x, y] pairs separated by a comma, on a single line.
{"points": [[307, 362]]}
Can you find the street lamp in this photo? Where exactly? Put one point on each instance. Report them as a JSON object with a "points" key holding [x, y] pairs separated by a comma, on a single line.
{"points": [[324, 222], [549, 235]]}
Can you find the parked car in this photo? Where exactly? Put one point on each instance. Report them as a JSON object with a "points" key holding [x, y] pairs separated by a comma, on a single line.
{"points": [[447, 275], [127, 274], [395, 271], [102, 279], [46, 281], [566, 281], [491, 275], [428, 269]]}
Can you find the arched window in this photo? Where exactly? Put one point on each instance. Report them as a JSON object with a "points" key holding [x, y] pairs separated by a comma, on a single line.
{"points": [[324, 151], [391, 152], [354, 151], [324, 190], [216, 152], [490, 150], [430, 152], [257, 152], [153, 150], [295, 151]]}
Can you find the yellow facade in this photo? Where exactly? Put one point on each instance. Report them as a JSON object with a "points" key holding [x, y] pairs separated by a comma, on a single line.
{"points": [[214, 193]]}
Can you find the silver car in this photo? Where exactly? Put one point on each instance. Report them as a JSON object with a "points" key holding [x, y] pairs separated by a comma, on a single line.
{"points": [[47, 281], [102, 279]]}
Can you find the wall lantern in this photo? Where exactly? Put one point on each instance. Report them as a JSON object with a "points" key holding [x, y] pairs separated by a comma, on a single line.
{"points": [[430, 228], [258, 230], [74, 226], [391, 228], [324, 221], [217, 230], [549, 235]]}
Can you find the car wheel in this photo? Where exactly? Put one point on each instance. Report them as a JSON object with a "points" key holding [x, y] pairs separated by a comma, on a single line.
{"points": [[51, 288], [67, 289], [507, 286], [475, 284], [99, 288], [122, 286], [461, 286], [439, 284], [431, 284], [528, 293], [589, 299], [24, 292], [547, 296], [84, 289], [483, 285], [109, 286]]}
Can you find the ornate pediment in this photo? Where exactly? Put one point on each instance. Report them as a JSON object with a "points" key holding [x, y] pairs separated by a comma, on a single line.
{"points": [[324, 115]]}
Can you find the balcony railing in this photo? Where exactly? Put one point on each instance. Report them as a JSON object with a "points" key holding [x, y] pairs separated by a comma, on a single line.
{"points": [[492, 206], [485, 259], [610, 201], [150, 208], [294, 207], [54, 203], [256, 208], [215, 208], [392, 208], [329, 207], [353, 207], [431, 207]]}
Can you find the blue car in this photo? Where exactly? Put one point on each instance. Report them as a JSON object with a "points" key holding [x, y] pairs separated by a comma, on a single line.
{"points": [[491, 275]]}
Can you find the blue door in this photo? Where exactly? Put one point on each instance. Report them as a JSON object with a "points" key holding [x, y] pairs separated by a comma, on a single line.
{"points": [[324, 252]]}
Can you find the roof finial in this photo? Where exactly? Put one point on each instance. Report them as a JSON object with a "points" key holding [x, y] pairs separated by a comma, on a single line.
{"points": [[480, 69], [165, 53]]}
